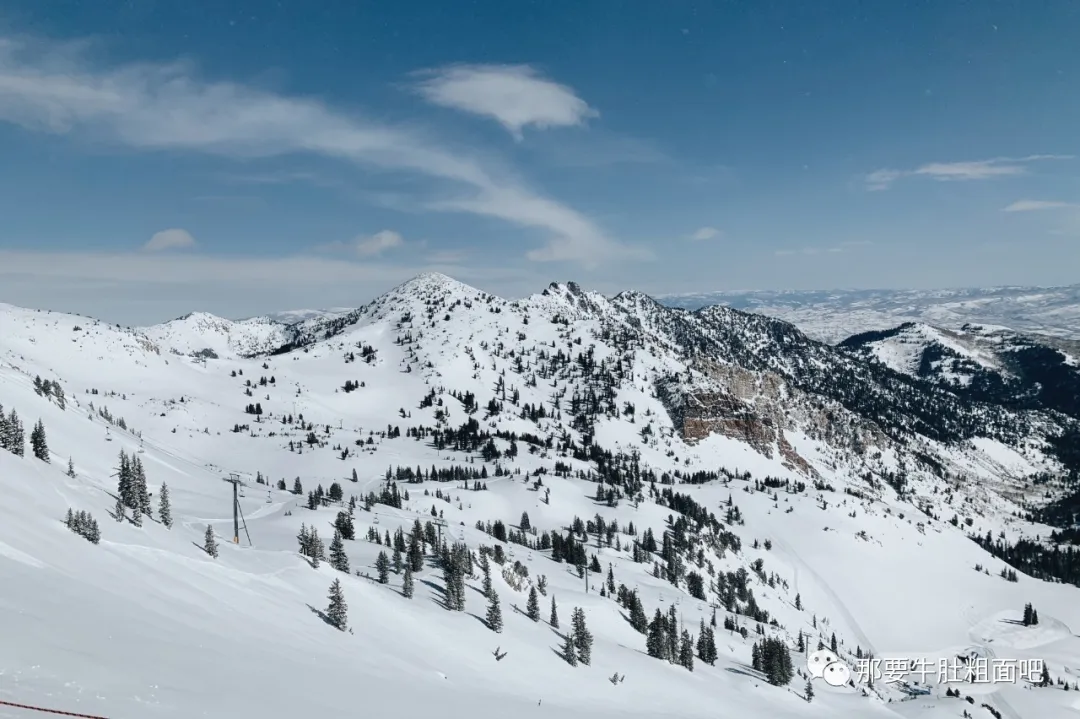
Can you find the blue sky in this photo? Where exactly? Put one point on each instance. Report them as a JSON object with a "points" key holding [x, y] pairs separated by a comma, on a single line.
{"points": [[241, 156]]}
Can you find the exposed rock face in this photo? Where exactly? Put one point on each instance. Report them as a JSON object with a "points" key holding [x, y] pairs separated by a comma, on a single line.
{"points": [[757, 408]]}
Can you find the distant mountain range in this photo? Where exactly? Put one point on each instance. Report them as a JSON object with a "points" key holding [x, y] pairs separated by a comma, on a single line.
{"points": [[834, 315]]}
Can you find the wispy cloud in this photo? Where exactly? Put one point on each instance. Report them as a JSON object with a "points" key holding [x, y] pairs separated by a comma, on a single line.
{"points": [[52, 88], [378, 243], [365, 246], [515, 96], [705, 233], [959, 171], [835, 249], [1038, 205], [175, 239]]}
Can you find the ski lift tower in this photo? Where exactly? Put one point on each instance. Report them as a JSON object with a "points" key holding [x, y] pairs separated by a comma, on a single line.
{"points": [[236, 482], [439, 523]]}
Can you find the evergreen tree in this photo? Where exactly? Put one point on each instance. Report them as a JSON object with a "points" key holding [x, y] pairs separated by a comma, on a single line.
{"points": [[120, 511], [583, 638], [532, 606], [553, 620], [337, 611], [569, 651], [798, 602], [1034, 616], [136, 517], [494, 612], [656, 641], [209, 543], [832, 643], [71, 468], [686, 651], [382, 566], [38, 443], [809, 691], [638, 620], [396, 560], [165, 507], [338, 559], [485, 567], [407, 585], [1045, 680]]}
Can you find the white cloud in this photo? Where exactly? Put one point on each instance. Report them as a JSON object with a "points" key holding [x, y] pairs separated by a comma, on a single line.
{"points": [[174, 239], [378, 243], [705, 233], [516, 96], [48, 87], [958, 171], [1036, 205]]}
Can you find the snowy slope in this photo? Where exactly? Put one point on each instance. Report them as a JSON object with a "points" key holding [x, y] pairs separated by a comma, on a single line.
{"points": [[832, 316], [145, 624]]}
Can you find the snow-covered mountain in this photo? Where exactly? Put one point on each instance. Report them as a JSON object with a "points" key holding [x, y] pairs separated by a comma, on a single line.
{"points": [[834, 315], [206, 335], [985, 364], [612, 454]]}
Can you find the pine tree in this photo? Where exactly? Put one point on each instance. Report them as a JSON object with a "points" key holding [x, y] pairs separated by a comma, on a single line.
{"points": [[142, 494], [532, 606], [809, 691], [686, 651], [338, 559], [120, 511], [136, 517], [656, 641], [382, 566], [38, 443], [165, 507], [337, 612], [494, 613], [553, 620], [583, 638], [69, 520], [832, 643], [407, 585], [569, 651], [1034, 616], [71, 468], [798, 602], [638, 620], [485, 567], [209, 543]]}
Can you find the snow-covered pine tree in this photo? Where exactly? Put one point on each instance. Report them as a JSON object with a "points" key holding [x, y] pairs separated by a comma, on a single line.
{"points": [[119, 510], [165, 507], [583, 639], [15, 441], [38, 443], [485, 567], [339, 560], [209, 543], [553, 620], [532, 606], [569, 651], [142, 492], [407, 587], [382, 566], [395, 560], [71, 468], [338, 611], [638, 620], [136, 517], [686, 650], [656, 641], [494, 613], [809, 691], [124, 481]]}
